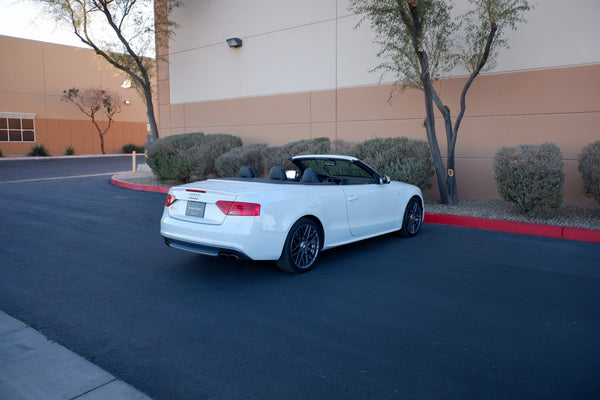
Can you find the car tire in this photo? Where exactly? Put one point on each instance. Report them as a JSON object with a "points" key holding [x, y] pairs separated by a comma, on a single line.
{"points": [[302, 247], [413, 218]]}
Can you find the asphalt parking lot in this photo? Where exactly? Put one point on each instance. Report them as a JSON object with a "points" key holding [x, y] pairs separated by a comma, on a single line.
{"points": [[452, 313]]}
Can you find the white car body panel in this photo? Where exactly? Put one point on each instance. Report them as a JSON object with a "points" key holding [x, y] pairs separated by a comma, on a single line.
{"points": [[346, 213]]}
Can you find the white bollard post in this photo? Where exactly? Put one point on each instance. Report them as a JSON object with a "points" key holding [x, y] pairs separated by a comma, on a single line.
{"points": [[134, 163]]}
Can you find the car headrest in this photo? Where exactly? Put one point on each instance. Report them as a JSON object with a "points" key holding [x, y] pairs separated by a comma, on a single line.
{"points": [[309, 176], [246, 172], [277, 173]]}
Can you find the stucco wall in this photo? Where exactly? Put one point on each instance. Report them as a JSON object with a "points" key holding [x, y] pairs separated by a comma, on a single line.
{"points": [[33, 76], [303, 72]]}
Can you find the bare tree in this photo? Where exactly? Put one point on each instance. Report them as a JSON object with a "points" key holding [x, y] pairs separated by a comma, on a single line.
{"points": [[122, 32], [420, 41], [96, 104]]}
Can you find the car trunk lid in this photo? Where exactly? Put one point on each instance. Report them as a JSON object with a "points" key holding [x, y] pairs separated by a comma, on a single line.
{"points": [[197, 201]]}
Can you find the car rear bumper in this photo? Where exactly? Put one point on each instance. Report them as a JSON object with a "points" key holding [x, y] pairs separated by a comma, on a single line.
{"points": [[214, 251], [241, 237]]}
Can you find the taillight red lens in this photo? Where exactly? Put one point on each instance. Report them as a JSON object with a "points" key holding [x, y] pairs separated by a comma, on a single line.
{"points": [[170, 200], [238, 208]]}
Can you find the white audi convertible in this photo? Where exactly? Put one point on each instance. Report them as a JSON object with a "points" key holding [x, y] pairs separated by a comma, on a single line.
{"points": [[290, 217]]}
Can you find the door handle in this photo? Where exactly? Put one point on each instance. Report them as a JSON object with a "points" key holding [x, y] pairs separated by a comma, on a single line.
{"points": [[352, 198]]}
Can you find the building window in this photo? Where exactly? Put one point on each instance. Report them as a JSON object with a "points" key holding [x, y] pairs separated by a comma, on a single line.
{"points": [[17, 127]]}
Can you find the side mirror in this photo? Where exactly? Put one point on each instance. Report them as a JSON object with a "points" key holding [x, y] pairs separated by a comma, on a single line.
{"points": [[384, 179]]}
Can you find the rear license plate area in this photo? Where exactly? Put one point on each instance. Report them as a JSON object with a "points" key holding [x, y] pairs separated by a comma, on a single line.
{"points": [[195, 209]]}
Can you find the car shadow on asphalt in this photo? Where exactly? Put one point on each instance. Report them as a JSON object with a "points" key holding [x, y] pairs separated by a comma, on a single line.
{"points": [[197, 266], [331, 261]]}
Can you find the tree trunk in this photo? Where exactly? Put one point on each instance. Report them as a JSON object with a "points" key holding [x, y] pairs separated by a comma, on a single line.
{"points": [[438, 163], [450, 173], [102, 142], [440, 171], [150, 113]]}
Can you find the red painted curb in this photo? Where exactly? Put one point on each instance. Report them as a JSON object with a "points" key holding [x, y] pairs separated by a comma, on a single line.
{"points": [[523, 228], [146, 188], [586, 235]]}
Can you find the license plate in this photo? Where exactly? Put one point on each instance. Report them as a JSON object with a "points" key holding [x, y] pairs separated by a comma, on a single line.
{"points": [[195, 209]]}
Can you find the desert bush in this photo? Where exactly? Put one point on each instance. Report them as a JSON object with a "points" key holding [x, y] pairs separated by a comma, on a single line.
{"points": [[229, 164], [188, 156], [402, 159], [280, 155], [130, 148], [531, 176], [589, 167], [207, 153], [69, 151], [38, 151], [168, 157], [342, 147]]}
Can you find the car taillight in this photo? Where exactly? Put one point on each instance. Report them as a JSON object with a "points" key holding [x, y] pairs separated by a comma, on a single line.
{"points": [[170, 200], [238, 208]]}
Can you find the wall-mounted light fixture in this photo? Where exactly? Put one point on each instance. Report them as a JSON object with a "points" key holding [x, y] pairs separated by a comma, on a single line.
{"points": [[128, 102], [234, 42]]}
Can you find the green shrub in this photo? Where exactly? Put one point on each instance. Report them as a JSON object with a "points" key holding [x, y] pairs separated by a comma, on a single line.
{"points": [[207, 153], [589, 167], [1, 155], [401, 158], [38, 151], [342, 147], [280, 155], [167, 157], [130, 148], [189, 156], [69, 151], [229, 164], [531, 176]]}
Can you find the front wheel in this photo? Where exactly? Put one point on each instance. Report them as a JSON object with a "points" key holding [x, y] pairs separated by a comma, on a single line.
{"points": [[413, 217], [302, 247]]}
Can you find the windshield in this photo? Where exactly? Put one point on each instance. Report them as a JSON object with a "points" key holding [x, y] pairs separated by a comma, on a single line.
{"points": [[337, 168]]}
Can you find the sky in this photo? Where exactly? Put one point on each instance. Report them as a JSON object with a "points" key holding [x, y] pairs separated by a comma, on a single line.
{"points": [[24, 19]]}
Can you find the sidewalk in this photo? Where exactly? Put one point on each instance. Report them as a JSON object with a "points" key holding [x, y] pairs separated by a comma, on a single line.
{"points": [[35, 368]]}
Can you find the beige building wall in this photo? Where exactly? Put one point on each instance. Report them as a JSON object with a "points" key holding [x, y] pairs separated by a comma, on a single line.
{"points": [[33, 76], [303, 72]]}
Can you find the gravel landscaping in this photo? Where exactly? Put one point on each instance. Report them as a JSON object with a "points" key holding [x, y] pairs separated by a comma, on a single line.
{"points": [[573, 216]]}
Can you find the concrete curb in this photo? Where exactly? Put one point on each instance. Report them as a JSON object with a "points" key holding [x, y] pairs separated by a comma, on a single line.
{"points": [[133, 186], [523, 228]]}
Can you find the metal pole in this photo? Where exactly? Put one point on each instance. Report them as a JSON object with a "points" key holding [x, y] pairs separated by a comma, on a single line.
{"points": [[133, 161]]}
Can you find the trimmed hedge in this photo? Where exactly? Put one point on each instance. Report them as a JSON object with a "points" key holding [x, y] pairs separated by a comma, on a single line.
{"points": [[589, 167], [531, 176], [342, 147], [280, 155], [188, 156], [402, 159], [229, 164]]}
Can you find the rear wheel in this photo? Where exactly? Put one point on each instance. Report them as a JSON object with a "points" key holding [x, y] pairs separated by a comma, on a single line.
{"points": [[302, 247], [413, 218]]}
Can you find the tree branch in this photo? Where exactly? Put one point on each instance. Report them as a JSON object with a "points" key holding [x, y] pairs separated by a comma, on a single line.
{"points": [[474, 73]]}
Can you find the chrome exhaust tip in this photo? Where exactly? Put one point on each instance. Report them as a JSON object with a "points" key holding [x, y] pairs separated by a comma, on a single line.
{"points": [[229, 256]]}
